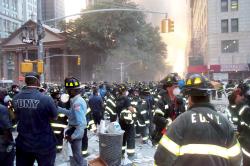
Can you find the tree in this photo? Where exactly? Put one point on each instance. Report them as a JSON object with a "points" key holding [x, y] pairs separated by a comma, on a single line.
{"points": [[112, 37]]}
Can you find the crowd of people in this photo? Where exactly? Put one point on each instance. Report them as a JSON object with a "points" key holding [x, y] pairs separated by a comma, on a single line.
{"points": [[175, 115]]}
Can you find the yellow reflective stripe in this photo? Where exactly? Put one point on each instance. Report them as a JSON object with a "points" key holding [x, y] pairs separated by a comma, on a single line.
{"points": [[235, 119], [170, 145], [234, 150], [111, 102], [93, 128], [125, 111], [134, 103], [141, 125], [84, 152], [91, 122], [145, 138], [88, 111], [58, 147], [61, 115], [123, 147], [242, 110], [147, 121], [57, 132], [110, 110], [15, 126], [246, 152], [58, 125], [158, 111], [206, 149], [130, 150]]}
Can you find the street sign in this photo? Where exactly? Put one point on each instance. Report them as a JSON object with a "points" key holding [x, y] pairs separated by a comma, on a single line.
{"points": [[28, 41]]}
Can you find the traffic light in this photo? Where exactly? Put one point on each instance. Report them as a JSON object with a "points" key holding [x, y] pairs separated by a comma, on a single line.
{"points": [[26, 67], [170, 25], [78, 60], [40, 67], [164, 26]]}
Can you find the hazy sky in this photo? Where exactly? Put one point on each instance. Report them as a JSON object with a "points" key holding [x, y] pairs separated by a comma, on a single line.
{"points": [[177, 11], [73, 6]]}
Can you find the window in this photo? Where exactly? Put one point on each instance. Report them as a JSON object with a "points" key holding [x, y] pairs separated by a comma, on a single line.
{"points": [[235, 25], [224, 26], [224, 5], [234, 5], [229, 46]]}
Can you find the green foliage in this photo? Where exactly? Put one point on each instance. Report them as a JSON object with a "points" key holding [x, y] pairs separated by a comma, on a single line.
{"points": [[118, 36]]}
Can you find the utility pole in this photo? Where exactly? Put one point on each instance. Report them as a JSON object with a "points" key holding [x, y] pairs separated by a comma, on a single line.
{"points": [[40, 34], [121, 67]]}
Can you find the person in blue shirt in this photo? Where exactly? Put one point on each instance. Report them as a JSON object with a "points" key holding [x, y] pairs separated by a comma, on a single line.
{"points": [[102, 91], [7, 152], [97, 106], [77, 120], [33, 111]]}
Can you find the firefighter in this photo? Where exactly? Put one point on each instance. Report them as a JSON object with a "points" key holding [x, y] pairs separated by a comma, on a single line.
{"points": [[143, 116], [200, 136], [76, 120], [60, 123], [168, 107], [125, 113], [242, 103], [14, 90], [110, 106], [7, 148], [133, 95]]}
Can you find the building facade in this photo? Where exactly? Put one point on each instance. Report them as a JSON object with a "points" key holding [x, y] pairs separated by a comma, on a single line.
{"points": [[56, 61], [52, 9], [220, 38], [13, 13]]}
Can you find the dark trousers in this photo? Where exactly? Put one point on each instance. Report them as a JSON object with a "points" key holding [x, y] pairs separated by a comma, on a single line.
{"points": [[97, 116], [246, 160], [24, 158], [128, 138], [7, 159], [85, 142], [59, 140]]}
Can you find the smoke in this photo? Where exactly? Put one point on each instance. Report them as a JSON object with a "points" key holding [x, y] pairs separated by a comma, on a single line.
{"points": [[177, 41]]}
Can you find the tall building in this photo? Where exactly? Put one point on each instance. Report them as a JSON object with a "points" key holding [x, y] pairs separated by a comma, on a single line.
{"points": [[220, 38], [29, 10], [52, 9], [13, 13]]}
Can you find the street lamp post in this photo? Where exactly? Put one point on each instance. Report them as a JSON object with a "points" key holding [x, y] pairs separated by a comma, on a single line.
{"points": [[40, 34], [121, 67]]}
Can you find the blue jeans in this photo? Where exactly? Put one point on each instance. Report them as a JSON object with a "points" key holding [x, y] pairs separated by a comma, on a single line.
{"points": [[77, 159], [24, 158]]}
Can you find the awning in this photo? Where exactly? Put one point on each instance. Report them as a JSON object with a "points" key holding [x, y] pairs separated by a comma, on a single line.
{"points": [[197, 69], [215, 68], [21, 78]]}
